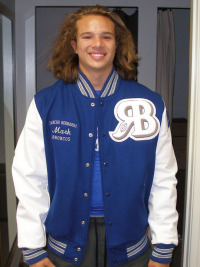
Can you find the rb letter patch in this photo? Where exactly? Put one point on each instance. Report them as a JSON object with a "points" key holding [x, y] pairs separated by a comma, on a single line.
{"points": [[137, 120]]}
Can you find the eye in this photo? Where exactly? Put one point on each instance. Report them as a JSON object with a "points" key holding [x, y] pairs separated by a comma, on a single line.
{"points": [[107, 37], [86, 37]]}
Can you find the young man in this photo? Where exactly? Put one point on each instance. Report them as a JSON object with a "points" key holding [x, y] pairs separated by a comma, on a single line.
{"points": [[94, 165]]}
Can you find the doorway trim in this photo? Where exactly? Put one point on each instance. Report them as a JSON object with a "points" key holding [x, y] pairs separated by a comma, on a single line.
{"points": [[191, 248]]}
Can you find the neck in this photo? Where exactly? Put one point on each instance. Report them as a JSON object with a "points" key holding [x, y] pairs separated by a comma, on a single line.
{"points": [[97, 79]]}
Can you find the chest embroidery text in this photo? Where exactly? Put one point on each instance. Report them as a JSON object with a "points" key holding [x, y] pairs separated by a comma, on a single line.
{"points": [[61, 130]]}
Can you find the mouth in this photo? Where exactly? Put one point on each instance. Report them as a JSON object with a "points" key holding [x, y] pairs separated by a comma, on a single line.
{"points": [[97, 55]]}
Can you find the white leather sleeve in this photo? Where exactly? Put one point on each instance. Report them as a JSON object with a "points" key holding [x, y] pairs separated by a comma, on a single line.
{"points": [[30, 179], [163, 216]]}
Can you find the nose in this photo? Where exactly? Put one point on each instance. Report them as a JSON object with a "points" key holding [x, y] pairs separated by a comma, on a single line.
{"points": [[97, 41]]}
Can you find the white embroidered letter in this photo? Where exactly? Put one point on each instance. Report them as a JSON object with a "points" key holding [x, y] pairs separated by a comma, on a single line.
{"points": [[137, 120]]}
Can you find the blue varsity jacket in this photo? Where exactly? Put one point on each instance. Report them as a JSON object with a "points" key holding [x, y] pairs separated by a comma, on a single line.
{"points": [[137, 167]]}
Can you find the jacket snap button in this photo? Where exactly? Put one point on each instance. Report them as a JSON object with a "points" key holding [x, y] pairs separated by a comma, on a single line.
{"points": [[90, 134], [107, 194], [87, 164], [75, 259], [102, 104], [78, 249], [85, 194], [105, 164], [92, 104], [82, 222]]}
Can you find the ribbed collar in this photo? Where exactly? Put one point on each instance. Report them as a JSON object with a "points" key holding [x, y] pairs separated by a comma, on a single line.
{"points": [[108, 89]]}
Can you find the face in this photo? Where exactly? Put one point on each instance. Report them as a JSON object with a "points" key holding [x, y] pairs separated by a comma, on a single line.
{"points": [[95, 45]]}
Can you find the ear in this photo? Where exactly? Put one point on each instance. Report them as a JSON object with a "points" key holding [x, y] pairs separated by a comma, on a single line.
{"points": [[74, 45]]}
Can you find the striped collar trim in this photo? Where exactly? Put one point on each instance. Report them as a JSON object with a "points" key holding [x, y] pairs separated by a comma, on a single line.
{"points": [[108, 89]]}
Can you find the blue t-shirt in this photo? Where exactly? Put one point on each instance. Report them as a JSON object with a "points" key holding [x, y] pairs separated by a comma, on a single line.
{"points": [[96, 204]]}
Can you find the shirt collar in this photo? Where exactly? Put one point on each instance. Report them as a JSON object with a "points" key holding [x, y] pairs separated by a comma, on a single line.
{"points": [[108, 89]]}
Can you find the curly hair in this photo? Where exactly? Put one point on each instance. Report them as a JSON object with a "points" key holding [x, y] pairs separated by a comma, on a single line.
{"points": [[64, 61]]}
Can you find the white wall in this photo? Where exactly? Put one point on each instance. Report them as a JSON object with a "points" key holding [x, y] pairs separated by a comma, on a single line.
{"points": [[2, 143], [7, 111], [10, 4], [8, 82], [47, 23], [191, 251]]}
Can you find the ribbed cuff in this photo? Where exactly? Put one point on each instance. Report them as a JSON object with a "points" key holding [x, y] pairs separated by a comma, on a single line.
{"points": [[162, 253], [32, 256]]}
